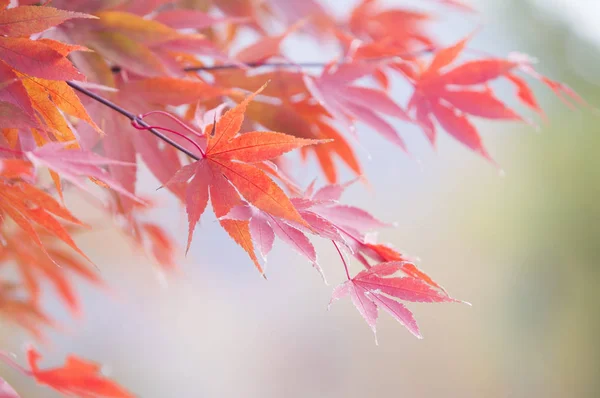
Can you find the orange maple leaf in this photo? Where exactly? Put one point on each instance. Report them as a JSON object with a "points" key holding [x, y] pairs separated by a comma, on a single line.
{"points": [[225, 168], [28, 205]]}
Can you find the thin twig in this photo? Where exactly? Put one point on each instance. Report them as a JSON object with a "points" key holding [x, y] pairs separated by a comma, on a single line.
{"points": [[209, 68], [132, 117], [136, 125]]}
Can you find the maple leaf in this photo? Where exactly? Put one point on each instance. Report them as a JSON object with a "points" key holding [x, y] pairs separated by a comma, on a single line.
{"points": [[74, 164], [266, 47], [26, 204], [47, 94], [318, 119], [143, 46], [172, 91], [43, 97], [317, 20], [21, 312], [123, 143], [347, 102], [161, 245], [12, 116], [77, 377], [304, 119], [52, 263], [341, 223], [149, 237], [225, 168], [376, 288], [399, 31], [449, 95], [37, 58], [192, 19], [27, 20], [264, 227], [282, 83]]}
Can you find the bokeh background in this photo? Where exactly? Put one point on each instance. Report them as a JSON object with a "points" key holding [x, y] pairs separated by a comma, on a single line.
{"points": [[521, 246]]}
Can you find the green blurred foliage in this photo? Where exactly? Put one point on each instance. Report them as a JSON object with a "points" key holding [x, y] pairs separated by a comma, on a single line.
{"points": [[545, 223]]}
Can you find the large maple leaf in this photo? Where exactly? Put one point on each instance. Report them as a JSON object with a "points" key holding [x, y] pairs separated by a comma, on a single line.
{"points": [[225, 168]]}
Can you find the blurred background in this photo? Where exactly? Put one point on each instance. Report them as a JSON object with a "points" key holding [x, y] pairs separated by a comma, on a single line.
{"points": [[521, 246]]}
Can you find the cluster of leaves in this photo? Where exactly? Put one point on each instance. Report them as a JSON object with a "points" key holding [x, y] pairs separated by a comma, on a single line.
{"points": [[72, 72]]}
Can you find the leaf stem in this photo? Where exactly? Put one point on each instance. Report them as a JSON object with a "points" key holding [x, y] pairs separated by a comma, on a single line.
{"points": [[132, 117], [176, 120], [343, 259], [10, 361], [136, 124]]}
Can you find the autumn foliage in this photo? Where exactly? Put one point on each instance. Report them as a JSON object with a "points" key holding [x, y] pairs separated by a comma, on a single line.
{"points": [[91, 90]]}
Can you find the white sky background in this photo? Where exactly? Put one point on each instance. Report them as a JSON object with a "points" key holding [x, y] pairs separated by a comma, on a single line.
{"points": [[581, 15]]}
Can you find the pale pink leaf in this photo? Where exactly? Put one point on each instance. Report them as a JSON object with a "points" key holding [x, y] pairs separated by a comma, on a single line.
{"points": [[263, 235], [398, 311]]}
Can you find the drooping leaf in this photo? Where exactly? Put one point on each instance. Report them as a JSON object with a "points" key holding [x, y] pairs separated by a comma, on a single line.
{"points": [[377, 288], [265, 227], [27, 205], [347, 102], [74, 164], [53, 266]]}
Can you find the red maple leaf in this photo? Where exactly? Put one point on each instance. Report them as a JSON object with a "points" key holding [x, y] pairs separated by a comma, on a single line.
{"points": [[225, 168]]}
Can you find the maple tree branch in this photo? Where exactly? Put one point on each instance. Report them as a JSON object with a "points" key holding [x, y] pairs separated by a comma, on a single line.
{"points": [[424, 51], [131, 117]]}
